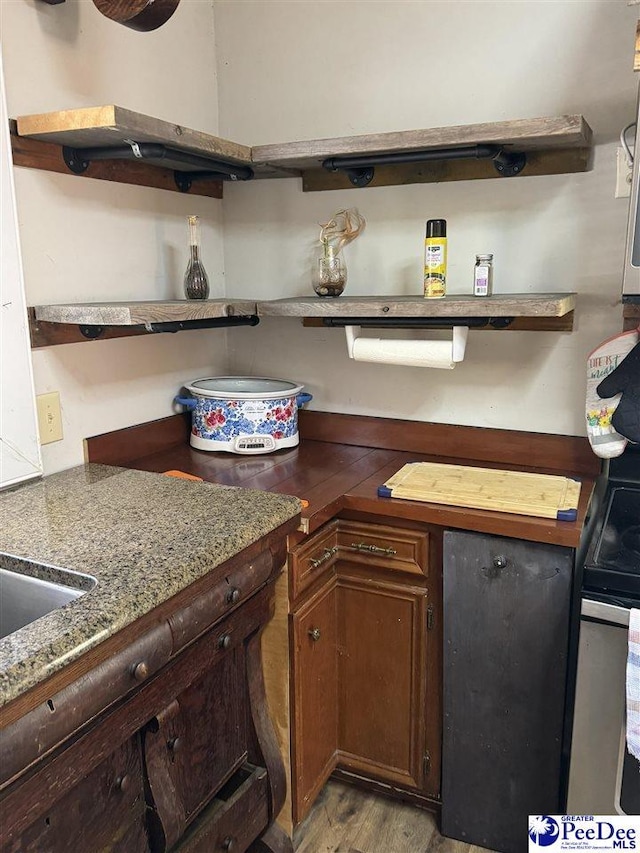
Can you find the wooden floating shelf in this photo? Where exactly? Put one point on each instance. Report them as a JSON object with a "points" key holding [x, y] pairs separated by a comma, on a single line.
{"points": [[113, 125], [553, 145], [32, 154], [140, 313], [62, 324], [503, 305], [51, 325], [524, 134]]}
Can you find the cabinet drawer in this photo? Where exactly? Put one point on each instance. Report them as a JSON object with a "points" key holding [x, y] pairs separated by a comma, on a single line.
{"points": [[308, 561], [386, 547], [237, 816], [230, 591], [105, 811], [47, 725]]}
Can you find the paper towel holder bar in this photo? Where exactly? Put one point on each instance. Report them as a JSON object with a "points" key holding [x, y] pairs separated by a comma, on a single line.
{"points": [[454, 354]]}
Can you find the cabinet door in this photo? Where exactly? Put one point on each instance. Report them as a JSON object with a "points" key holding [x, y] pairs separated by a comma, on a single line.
{"points": [[506, 639], [315, 696], [382, 652], [104, 812]]}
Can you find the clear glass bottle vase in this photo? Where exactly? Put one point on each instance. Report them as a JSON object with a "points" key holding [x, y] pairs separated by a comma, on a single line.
{"points": [[196, 282], [330, 273]]}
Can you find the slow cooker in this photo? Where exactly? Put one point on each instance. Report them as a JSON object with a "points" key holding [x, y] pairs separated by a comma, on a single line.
{"points": [[243, 414]]}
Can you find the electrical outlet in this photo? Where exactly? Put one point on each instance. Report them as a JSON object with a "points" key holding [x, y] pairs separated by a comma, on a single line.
{"points": [[623, 175], [49, 417]]}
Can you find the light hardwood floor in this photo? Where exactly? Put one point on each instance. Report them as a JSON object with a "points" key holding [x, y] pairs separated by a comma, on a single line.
{"points": [[347, 820]]}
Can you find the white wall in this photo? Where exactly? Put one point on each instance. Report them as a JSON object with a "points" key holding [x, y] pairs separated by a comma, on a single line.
{"points": [[295, 69], [85, 240], [299, 69]]}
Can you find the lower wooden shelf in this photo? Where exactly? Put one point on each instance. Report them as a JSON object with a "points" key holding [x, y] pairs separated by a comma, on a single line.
{"points": [[503, 305], [64, 324], [543, 312], [139, 313], [73, 323]]}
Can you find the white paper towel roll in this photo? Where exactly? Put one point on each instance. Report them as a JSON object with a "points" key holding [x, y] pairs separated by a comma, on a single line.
{"points": [[410, 353]]}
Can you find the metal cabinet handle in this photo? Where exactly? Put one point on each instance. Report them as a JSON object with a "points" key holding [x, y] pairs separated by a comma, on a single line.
{"points": [[495, 569], [140, 671], [327, 554], [373, 549], [314, 633], [233, 596], [224, 642], [228, 843], [174, 744]]}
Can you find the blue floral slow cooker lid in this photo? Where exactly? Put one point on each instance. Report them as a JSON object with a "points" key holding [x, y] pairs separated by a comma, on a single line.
{"points": [[244, 388]]}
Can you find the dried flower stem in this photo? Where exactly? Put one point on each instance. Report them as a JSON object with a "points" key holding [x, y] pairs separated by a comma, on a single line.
{"points": [[341, 229]]}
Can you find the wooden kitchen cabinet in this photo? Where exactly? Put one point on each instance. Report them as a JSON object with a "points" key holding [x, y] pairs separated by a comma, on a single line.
{"points": [[315, 693], [382, 648], [389, 654], [366, 659], [185, 761]]}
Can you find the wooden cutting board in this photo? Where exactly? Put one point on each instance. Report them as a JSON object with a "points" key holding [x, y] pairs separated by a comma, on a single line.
{"points": [[543, 495]]}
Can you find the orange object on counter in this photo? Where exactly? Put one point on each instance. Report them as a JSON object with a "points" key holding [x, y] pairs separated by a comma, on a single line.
{"points": [[304, 503], [183, 475]]}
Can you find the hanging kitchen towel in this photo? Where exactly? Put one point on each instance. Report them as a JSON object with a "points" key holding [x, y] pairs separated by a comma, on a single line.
{"points": [[633, 685], [601, 362], [625, 380]]}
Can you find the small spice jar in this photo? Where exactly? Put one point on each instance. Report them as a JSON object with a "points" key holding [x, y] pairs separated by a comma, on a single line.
{"points": [[483, 275]]}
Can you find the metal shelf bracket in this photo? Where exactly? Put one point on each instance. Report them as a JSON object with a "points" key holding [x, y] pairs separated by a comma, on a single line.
{"points": [[418, 322], [93, 332], [361, 169], [78, 161]]}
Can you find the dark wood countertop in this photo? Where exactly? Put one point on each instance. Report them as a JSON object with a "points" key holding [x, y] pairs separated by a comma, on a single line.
{"points": [[340, 475]]}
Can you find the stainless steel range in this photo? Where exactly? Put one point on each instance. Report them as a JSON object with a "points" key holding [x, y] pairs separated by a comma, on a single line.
{"points": [[604, 776]]}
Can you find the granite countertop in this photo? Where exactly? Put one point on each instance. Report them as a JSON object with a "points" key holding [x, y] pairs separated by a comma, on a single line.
{"points": [[144, 537]]}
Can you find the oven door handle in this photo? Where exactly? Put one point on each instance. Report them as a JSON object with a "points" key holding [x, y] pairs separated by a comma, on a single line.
{"points": [[603, 612]]}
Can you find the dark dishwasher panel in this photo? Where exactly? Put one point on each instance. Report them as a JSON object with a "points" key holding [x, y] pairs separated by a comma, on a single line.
{"points": [[506, 637]]}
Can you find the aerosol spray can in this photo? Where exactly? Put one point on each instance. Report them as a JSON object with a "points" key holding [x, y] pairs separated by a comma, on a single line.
{"points": [[435, 259]]}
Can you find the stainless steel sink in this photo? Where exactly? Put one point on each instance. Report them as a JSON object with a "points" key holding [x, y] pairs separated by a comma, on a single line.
{"points": [[25, 598]]}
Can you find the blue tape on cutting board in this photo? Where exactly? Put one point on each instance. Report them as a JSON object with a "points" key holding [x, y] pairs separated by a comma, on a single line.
{"points": [[567, 515], [384, 492]]}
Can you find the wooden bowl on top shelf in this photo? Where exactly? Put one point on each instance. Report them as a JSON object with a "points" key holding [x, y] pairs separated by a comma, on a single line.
{"points": [[141, 15]]}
